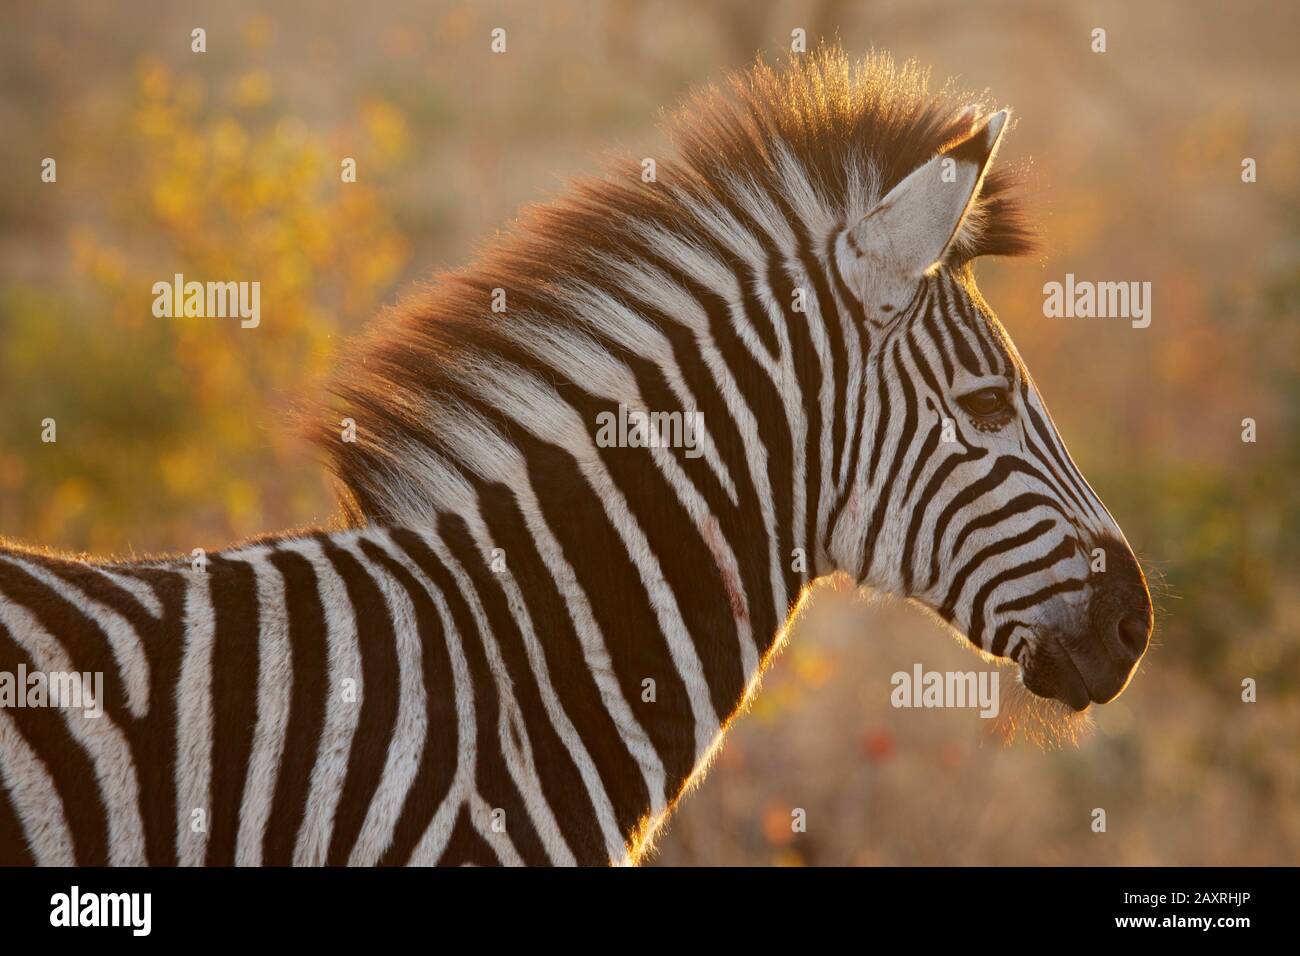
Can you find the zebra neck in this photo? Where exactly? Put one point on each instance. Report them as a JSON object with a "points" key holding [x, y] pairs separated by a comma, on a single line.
{"points": [[597, 689], [636, 590]]}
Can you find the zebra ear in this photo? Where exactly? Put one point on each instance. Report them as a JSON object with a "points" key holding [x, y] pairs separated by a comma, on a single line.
{"points": [[912, 228]]}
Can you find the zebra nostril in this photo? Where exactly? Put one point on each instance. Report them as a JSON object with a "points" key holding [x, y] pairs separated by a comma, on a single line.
{"points": [[1133, 634]]}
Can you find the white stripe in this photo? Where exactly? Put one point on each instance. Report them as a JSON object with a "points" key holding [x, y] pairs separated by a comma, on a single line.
{"points": [[34, 797], [141, 590], [480, 815], [194, 723]]}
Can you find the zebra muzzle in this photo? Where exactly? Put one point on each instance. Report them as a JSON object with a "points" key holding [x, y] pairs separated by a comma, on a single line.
{"points": [[1095, 664]]}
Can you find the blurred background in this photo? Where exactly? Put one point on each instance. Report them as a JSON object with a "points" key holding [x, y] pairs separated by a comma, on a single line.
{"points": [[173, 435]]}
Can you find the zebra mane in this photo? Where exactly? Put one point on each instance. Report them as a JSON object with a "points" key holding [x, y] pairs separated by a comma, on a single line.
{"points": [[845, 132], [839, 121]]}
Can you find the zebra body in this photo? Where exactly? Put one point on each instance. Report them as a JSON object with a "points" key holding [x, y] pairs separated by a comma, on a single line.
{"points": [[377, 696], [530, 644]]}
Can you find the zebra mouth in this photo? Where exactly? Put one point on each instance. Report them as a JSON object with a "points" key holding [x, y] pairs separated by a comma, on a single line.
{"points": [[1051, 672]]}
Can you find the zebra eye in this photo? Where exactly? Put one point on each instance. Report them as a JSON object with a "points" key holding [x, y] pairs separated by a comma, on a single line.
{"points": [[988, 404]]}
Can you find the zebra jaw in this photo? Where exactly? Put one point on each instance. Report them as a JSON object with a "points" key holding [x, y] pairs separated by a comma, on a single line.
{"points": [[1051, 673]]}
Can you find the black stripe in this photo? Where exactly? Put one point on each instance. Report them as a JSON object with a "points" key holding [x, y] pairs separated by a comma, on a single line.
{"points": [[829, 313], [620, 606], [961, 346], [1071, 485], [155, 741], [380, 691], [747, 278], [235, 674], [924, 457], [736, 530], [882, 502], [942, 343], [692, 573], [618, 598], [883, 410], [309, 652], [975, 323], [1017, 505], [858, 396], [1003, 634], [927, 374], [13, 841], [1042, 594]]}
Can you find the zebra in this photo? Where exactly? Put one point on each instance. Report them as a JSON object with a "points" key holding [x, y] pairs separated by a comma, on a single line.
{"points": [[524, 646]]}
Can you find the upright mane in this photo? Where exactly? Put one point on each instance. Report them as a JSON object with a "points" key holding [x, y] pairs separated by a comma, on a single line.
{"points": [[846, 132]]}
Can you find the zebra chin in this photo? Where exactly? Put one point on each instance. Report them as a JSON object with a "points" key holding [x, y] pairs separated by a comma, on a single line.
{"points": [[1093, 661]]}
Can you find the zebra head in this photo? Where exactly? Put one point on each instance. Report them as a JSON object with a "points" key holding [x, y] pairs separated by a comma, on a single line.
{"points": [[964, 497]]}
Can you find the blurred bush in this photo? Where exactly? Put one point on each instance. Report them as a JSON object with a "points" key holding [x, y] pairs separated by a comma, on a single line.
{"points": [[185, 422]]}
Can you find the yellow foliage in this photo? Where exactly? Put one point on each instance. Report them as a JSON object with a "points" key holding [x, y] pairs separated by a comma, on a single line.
{"points": [[213, 185]]}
